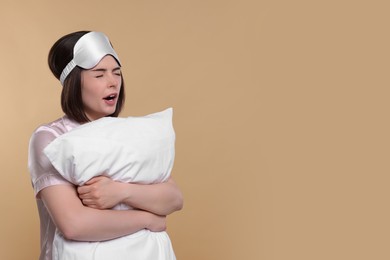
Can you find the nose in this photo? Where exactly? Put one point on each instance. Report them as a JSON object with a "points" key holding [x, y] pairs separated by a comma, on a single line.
{"points": [[113, 80]]}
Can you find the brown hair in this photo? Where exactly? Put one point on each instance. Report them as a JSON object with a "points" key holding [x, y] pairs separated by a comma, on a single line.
{"points": [[60, 54]]}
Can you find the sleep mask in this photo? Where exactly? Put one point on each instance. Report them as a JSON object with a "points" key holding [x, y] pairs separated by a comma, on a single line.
{"points": [[88, 51]]}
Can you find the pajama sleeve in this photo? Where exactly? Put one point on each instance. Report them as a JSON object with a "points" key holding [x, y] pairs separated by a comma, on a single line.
{"points": [[42, 172]]}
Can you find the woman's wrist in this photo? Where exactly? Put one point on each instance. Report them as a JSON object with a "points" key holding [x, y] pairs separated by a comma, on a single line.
{"points": [[125, 192]]}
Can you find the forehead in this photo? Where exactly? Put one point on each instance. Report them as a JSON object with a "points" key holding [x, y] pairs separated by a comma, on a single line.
{"points": [[107, 62]]}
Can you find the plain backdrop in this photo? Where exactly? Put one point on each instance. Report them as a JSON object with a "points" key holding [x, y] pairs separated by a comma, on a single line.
{"points": [[280, 110]]}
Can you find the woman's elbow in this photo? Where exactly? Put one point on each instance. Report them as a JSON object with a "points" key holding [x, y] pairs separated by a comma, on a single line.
{"points": [[73, 226], [70, 231], [175, 204], [179, 202]]}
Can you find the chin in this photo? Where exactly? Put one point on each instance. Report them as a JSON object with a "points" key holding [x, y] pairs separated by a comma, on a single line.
{"points": [[110, 113]]}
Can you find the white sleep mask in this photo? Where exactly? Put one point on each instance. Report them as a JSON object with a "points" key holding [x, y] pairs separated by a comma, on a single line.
{"points": [[88, 51]]}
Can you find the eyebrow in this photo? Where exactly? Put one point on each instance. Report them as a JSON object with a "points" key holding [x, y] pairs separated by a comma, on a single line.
{"points": [[103, 70]]}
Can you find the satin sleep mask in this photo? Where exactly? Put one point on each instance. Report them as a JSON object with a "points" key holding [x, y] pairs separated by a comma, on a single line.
{"points": [[88, 51]]}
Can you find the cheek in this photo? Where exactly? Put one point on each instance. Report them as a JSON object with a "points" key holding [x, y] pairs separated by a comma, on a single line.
{"points": [[88, 94]]}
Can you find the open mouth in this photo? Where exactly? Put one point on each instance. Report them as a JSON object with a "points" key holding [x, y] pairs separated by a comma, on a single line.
{"points": [[110, 97]]}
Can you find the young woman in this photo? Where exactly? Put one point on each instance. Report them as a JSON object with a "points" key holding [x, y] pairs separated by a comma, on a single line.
{"points": [[93, 87]]}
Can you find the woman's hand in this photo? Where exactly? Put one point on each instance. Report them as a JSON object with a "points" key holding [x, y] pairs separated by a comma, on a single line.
{"points": [[160, 198], [157, 223], [78, 222], [101, 193]]}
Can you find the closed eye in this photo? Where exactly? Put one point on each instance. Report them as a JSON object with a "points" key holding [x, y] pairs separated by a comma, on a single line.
{"points": [[117, 72]]}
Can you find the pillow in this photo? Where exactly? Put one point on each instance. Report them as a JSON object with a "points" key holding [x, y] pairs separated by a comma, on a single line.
{"points": [[132, 149]]}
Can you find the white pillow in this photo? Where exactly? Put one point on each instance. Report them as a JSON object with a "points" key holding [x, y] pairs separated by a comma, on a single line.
{"points": [[132, 149]]}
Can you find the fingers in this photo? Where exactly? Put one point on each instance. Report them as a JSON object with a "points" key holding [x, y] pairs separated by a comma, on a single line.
{"points": [[93, 204], [93, 195], [90, 204], [84, 196], [83, 190], [96, 179], [93, 180], [86, 187]]}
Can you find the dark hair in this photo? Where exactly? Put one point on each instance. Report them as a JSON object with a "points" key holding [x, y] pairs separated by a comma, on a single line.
{"points": [[60, 54]]}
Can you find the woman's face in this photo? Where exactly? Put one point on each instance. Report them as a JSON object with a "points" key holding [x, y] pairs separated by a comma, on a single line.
{"points": [[100, 87]]}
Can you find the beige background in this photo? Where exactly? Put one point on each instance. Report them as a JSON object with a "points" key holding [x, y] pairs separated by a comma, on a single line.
{"points": [[281, 114]]}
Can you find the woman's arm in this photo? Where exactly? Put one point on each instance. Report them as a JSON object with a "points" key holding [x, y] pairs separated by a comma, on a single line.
{"points": [[78, 222], [161, 198]]}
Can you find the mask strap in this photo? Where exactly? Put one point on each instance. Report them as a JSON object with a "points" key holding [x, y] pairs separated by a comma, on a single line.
{"points": [[71, 65]]}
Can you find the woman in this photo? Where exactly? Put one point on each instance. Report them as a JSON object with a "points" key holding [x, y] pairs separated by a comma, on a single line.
{"points": [[93, 87]]}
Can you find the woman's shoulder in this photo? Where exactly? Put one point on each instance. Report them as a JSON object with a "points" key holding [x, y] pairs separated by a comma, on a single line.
{"points": [[57, 127], [46, 133]]}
